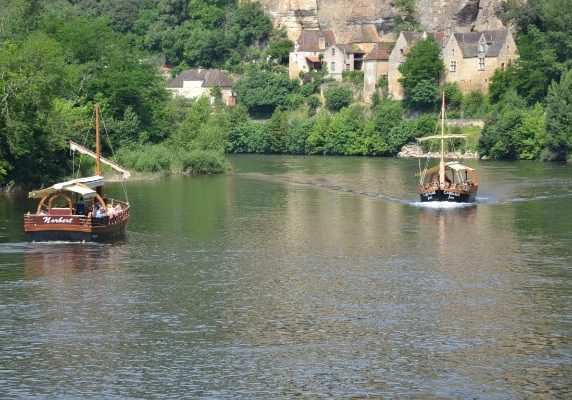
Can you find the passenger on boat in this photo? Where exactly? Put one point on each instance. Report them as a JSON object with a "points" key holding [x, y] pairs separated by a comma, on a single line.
{"points": [[100, 212], [81, 207]]}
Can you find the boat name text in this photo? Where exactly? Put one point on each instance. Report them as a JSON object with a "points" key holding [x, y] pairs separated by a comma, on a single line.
{"points": [[60, 220]]}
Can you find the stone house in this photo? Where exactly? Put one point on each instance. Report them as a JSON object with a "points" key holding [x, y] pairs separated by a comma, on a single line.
{"points": [[472, 58], [193, 83], [398, 55], [342, 57], [375, 65], [307, 49]]}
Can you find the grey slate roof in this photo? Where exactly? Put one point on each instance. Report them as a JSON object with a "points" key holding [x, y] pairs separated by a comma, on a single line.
{"points": [[380, 51], [469, 42], [209, 77], [309, 40], [414, 37]]}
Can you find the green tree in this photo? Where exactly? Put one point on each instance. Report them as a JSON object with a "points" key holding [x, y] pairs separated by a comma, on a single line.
{"points": [[280, 50], [261, 92], [338, 98], [421, 73], [559, 119]]}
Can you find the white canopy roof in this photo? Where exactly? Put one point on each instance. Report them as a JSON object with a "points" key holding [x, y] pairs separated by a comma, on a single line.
{"points": [[82, 186]]}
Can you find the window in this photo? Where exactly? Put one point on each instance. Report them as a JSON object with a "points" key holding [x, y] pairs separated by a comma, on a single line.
{"points": [[453, 52], [348, 56], [333, 51], [502, 66], [453, 66], [401, 51], [481, 63], [333, 66], [347, 67]]}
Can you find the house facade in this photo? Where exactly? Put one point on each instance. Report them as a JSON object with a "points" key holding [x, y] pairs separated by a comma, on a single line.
{"points": [[472, 58], [342, 57], [193, 83]]}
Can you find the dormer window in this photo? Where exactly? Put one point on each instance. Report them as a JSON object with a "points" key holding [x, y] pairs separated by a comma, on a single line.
{"points": [[401, 51], [453, 66], [453, 52], [333, 51]]}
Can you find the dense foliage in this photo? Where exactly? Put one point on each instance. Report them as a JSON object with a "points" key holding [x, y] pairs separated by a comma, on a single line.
{"points": [[530, 109], [59, 57]]}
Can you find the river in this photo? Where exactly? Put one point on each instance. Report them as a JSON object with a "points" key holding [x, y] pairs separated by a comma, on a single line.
{"points": [[299, 277]]}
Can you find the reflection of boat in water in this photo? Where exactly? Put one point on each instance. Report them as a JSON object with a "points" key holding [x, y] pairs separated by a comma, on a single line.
{"points": [[448, 181], [76, 210], [60, 259]]}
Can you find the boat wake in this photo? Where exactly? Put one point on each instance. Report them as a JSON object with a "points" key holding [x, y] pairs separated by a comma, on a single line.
{"points": [[480, 200], [442, 205]]}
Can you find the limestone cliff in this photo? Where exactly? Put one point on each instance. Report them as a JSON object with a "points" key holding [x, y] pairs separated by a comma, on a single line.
{"points": [[346, 17]]}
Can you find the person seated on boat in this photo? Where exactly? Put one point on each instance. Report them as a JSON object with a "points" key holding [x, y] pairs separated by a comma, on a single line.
{"points": [[99, 212], [81, 207], [118, 208]]}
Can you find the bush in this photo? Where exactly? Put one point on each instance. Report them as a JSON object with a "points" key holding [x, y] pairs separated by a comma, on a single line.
{"points": [[148, 158], [338, 98], [354, 77], [202, 162]]}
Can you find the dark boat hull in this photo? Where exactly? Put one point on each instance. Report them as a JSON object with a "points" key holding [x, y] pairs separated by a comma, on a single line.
{"points": [[447, 195], [76, 235]]}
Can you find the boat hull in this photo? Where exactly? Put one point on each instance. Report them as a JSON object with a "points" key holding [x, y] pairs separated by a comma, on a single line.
{"points": [[42, 228], [453, 196]]}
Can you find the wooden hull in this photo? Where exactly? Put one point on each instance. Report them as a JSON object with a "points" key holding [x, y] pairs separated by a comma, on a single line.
{"points": [[450, 195], [75, 228]]}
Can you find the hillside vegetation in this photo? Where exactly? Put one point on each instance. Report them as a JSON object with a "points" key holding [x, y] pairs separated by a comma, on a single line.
{"points": [[59, 57]]}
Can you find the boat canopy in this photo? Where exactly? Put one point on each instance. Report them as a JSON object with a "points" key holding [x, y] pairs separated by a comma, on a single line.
{"points": [[82, 186], [424, 138], [454, 165]]}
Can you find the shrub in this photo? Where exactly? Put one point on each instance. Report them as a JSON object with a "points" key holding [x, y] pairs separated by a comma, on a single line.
{"points": [[338, 98], [202, 162]]}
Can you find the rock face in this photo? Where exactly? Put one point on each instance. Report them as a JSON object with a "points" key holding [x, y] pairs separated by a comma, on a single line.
{"points": [[347, 16]]}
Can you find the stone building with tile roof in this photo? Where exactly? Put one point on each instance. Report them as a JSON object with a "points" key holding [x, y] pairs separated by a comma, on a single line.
{"points": [[307, 49], [472, 58], [192, 83]]}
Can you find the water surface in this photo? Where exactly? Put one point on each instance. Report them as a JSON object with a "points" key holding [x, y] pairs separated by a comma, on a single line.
{"points": [[308, 277]]}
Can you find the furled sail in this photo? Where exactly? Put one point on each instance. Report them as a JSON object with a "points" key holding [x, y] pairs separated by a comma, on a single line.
{"points": [[77, 147]]}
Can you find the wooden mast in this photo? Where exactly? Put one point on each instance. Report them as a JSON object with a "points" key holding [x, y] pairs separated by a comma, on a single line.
{"points": [[442, 163], [97, 140]]}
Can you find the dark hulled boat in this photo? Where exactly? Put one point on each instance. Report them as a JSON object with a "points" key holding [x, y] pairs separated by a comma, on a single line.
{"points": [[76, 210], [448, 181]]}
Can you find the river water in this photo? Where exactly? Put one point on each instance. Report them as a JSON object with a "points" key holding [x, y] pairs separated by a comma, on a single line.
{"points": [[305, 277]]}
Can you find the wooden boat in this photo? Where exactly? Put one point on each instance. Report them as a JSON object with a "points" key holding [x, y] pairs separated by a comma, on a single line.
{"points": [[77, 210], [448, 181]]}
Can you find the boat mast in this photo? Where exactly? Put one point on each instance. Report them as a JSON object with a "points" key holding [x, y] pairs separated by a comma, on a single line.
{"points": [[97, 145], [442, 163]]}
